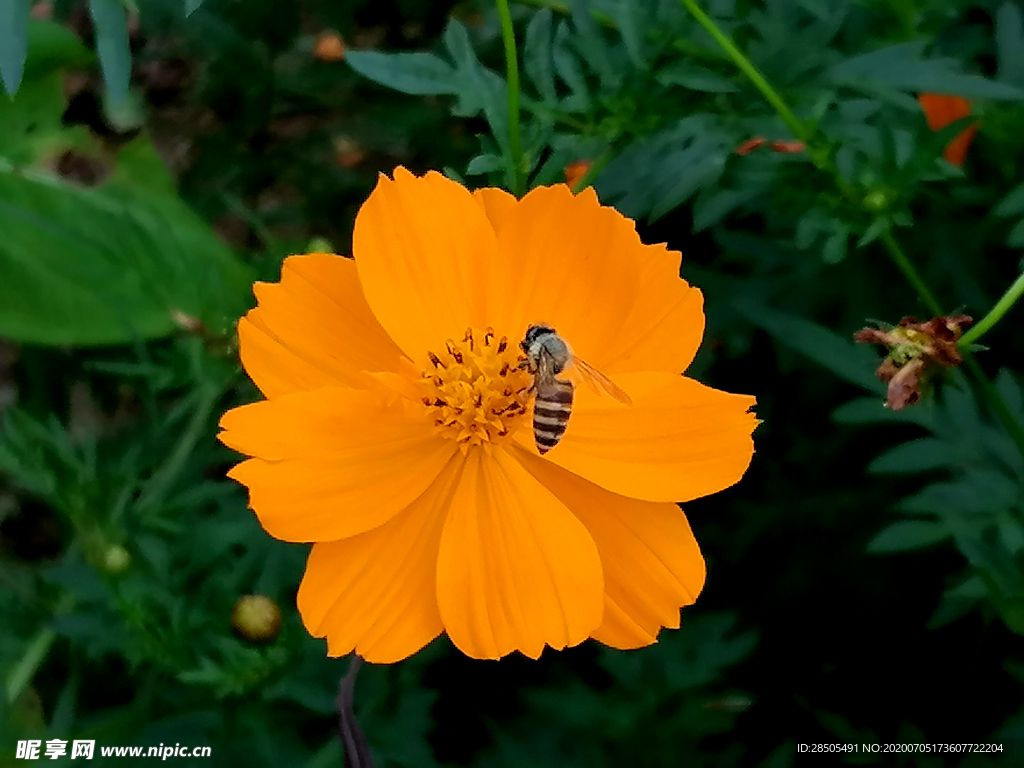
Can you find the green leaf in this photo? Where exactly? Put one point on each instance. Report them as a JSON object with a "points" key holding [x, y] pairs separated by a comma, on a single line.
{"points": [[107, 265], [809, 227], [714, 204], [479, 89], [835, 247], [1010, 43], [660, 172], [918, 456], [695, 77], [591, 45], [958, 601], [974, 493], [454, 175], [632, 22], [417, 74], [1016, 237], [693, 176], [908, 534], [110, 19], [537, 61], [191, 6], [30, 124], [13, 42], [873, 232], [1010, 390], [999, 568], [52, 47], [140, 168], [854, 363], [487, 163], [872, 410], [1012, 204], [568, 67], [901, 67]]}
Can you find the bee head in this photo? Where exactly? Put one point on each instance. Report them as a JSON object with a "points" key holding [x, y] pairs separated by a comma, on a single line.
{"points": [[535, 332]]}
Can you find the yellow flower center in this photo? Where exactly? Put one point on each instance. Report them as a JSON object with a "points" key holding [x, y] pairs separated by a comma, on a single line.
{"points": [[476, 392]]}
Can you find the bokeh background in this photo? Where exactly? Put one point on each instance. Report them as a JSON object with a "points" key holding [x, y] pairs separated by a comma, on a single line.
{"points": [[866, 583]]}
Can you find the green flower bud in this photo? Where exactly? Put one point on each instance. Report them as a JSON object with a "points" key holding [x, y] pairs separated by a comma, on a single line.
{"points": [[256, 618], [876, 200], [116, 559]]}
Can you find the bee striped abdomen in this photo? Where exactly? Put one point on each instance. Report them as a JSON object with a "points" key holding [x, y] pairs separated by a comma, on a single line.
{"points": [[551, 413]]}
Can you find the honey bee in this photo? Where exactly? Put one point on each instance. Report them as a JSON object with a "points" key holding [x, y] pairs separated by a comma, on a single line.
{"points": [[547, 355]]}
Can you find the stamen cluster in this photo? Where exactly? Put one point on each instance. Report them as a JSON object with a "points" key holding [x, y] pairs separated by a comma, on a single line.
{"points": [[476, 390]]}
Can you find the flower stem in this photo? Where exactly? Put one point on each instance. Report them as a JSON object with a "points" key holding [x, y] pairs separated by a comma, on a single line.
{"points": [[909, 271], [745, 66], [515, 148], [357, 751], [995, 314]]}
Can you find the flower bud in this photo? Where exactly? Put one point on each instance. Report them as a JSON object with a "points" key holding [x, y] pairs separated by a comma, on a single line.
{"points": [[256, 618], [116, 559], [876, 200]]}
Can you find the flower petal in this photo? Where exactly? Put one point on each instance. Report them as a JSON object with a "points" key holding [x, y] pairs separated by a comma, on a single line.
{"points": [[516, 569], [376, 593], [679, 440], [665, 326], [567, 261], [422, 247], [332, 463], [313, 329], [563, 255], [497, 204], [273, 366], [652, 564]]}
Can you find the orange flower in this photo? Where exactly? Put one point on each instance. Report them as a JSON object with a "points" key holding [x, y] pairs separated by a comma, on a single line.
{"points": [[940, 111], [396, 433]]}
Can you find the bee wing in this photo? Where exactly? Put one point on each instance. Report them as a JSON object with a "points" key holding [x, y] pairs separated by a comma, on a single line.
{"points": [[589, 374]]}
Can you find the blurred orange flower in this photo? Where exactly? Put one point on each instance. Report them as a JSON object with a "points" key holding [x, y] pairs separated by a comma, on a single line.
{"points": [[329, 47], [940, 111], [788, 147], [750, 145], [396, 433], [574, 172]]}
